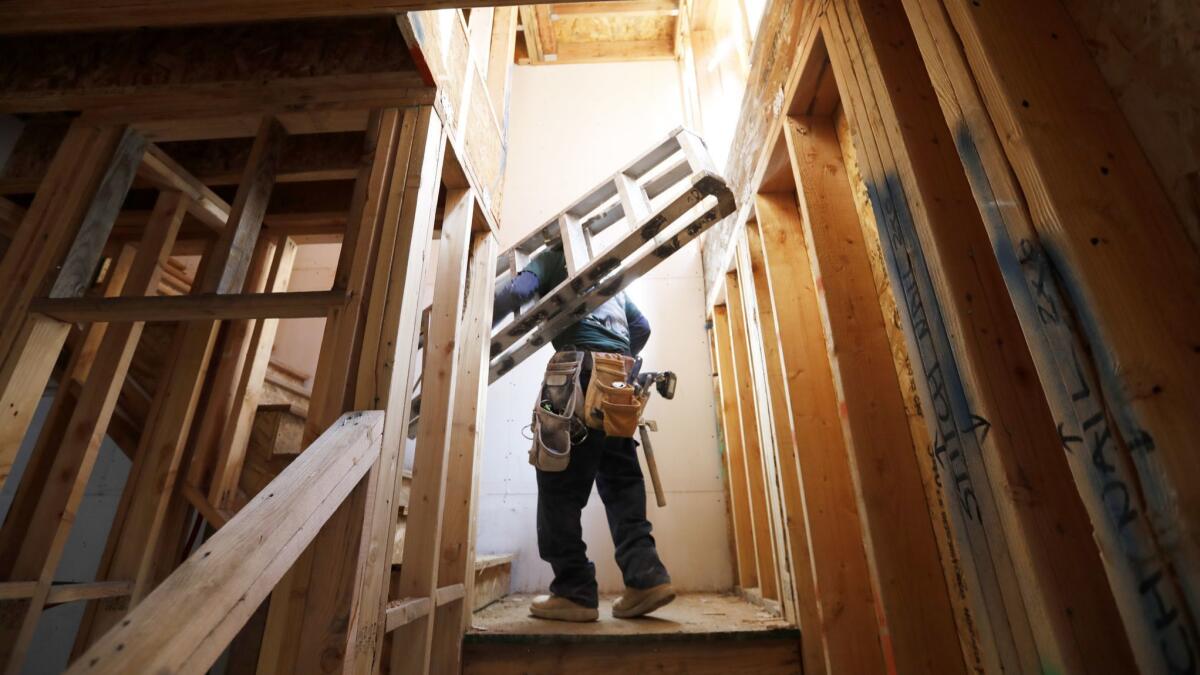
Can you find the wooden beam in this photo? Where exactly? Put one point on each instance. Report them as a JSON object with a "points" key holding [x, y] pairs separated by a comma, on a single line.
{"points": [[64, 592], [214, 306], [367, 360], [84, 186], [185, 625], [136, 542], [1133, 556], [753, 451], [619, 7], [971, 351], [901, 546], [456, 561], [44, 536], [386, 371], [852, 637], [404, 612], [36, 476], [422, 537], [236, 437], [617, 50], [244, 73], [287, 619], [165, 173], [741, 520], [29, 16], [792, 500], [213, 162], [222, 389], [533, 38]]}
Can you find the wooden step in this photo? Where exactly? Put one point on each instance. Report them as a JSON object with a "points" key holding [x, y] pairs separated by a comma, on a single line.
{"points": [[698, 634], [493, 577]]}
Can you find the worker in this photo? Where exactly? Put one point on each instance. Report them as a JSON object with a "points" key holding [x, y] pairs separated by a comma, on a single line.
{"points": [[614, 328]]}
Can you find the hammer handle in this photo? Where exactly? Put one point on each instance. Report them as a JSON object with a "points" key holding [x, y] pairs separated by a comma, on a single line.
{"points": [[652, 465]]}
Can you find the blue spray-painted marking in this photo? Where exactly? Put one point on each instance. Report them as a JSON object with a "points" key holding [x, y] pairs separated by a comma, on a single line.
{"points": [[1034, 276]]}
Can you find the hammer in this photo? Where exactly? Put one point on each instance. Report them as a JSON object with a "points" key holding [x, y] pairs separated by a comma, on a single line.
{"points": [[644, 429]]}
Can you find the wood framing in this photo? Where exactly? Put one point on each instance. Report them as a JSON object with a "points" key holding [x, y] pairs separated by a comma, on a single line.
{"points": [[71, 15], [87, 181], [852, 637], [412, 642], [791, 502], [745, 556], [753, 452], [136, 540], [903, 557], [45, 533], [456, 560], [1051, 254], [968, 343], [242, 562]]}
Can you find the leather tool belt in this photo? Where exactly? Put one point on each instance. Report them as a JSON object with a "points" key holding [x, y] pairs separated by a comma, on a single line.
{"points": [[609, 404]]}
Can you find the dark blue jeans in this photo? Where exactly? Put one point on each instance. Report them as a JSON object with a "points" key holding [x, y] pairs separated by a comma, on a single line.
{"points": [[613, 465]]}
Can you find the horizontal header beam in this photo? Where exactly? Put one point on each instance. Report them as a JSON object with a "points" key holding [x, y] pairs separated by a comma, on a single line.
{"points": [[209, 306], [49, 16]]}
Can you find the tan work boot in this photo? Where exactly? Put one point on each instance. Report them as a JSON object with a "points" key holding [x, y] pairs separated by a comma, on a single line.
{"points": [[640, 601], [561, 609]]}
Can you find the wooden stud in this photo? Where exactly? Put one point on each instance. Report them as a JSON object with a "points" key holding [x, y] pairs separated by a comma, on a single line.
{"points": [[135, 544], [292, 603], [792, 502], [852, 637], [418, 576], [968, 341], [901, 547], [456, 561], [1129, 268], [386, 373], [735, 466], [49, 525], [236, 437], [753, 451], [231, 360], [960, 572], [81, 194], [36, 476], [1134, 557]]}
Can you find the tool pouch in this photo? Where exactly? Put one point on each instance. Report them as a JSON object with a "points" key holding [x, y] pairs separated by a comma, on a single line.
{"points": [[610, 403], [556, 412]]}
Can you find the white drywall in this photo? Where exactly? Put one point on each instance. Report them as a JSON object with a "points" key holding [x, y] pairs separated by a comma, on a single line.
{"points": [[571, 127]]}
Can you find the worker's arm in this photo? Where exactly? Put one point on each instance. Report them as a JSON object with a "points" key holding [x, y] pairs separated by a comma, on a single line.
{"points": [[639, 327], [513, 293], [539, 277]]}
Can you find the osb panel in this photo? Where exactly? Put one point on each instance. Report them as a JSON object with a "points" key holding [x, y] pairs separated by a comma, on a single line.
{"points": [[1149, 52], [614, 28], [484, 146], [185, 56]]}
